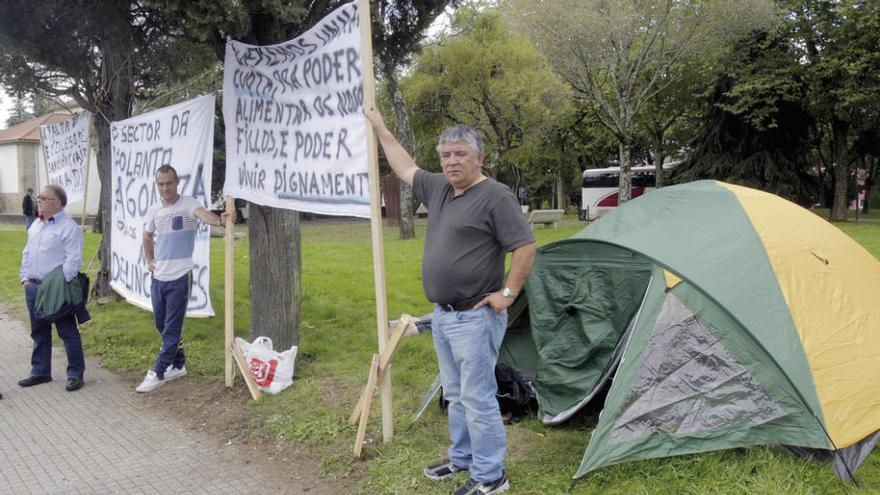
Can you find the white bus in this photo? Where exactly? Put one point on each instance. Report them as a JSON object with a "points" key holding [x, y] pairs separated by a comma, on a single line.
{"points": [[600, 187]]}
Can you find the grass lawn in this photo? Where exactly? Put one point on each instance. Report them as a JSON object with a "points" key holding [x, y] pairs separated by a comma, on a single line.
{"points": [[338, 339]]}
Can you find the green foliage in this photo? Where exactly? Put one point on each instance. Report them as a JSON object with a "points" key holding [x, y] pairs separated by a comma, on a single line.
{"points": [[497, 82], [625, 58], [794, 106], [755, 127], [19, 112], [59, 48]]}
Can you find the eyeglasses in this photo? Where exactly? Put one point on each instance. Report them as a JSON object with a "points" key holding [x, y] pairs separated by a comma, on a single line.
{"points": [[46, 198]]}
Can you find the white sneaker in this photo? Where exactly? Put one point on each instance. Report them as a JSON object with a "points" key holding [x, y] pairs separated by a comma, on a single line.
{"points": [[172, 373], [151, 382]]}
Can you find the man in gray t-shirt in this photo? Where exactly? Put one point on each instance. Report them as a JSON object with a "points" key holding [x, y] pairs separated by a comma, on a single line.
{"points": [[473, 222]]}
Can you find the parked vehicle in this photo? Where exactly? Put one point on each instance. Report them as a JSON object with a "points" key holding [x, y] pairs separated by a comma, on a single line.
{"points": [[601, 185]]}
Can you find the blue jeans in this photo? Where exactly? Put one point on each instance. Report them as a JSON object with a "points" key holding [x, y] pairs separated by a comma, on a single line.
{"points": [[28, 221], [467, 345], [169, 308], [41, 334]]}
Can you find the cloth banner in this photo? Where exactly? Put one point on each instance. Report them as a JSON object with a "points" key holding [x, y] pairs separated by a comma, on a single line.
{"points": [[67, 152], [182, 136], [295, 127]]}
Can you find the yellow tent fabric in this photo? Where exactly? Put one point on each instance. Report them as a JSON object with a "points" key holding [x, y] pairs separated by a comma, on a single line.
{"points": [[832, 288], [671, 279]]}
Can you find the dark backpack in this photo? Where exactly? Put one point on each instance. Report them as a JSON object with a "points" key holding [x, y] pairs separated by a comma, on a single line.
{"points": [[515, 396]]}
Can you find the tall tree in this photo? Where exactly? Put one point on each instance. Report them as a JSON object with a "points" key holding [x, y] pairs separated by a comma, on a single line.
{"points": [[755, 128], [399, 28], [101, 57], [794, 107], [619, 54], [667, 120], [495, 81], [841, 54], [19, 112]]}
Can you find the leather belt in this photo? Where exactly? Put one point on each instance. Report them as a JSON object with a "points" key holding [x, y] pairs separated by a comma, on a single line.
{"points": [[465, 305], [35, 281]]}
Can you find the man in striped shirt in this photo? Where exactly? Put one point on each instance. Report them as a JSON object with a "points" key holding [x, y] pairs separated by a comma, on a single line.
{"points": [[169, 241]]}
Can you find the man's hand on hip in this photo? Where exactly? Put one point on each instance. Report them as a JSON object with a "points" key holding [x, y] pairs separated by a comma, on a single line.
{"points": [[498, 302]]}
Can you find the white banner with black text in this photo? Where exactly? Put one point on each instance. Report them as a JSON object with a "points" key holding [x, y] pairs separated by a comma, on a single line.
{"points": [[182, 136], [295, 127], [67, 151]]}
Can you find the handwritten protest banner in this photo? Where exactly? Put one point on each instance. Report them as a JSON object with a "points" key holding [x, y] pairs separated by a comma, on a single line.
{"points": [[295, 129], [182, 136], [67, 151]]}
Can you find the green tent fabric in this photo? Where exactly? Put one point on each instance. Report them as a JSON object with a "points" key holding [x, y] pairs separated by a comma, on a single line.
{"points": [[581, 299]]}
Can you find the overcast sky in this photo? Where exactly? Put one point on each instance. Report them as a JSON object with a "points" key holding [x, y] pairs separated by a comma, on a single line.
{"points": [[5, 104]]}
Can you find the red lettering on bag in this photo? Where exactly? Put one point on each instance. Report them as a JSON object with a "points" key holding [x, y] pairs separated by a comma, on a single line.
{"points": [[263, 372]]}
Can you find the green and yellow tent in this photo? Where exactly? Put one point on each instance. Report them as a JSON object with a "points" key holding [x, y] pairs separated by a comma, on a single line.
{"points": [[726, 316]]}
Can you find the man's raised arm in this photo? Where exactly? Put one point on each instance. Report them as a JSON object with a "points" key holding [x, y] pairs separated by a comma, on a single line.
{"points": [[401, 162]]}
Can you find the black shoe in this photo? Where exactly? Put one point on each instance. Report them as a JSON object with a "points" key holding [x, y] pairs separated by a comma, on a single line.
{"points": [[74, 383], [34, 380], [443, 470], [474, 487]]}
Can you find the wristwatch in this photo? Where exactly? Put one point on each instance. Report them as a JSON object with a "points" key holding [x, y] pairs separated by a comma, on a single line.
{"points": [[509, 294]]}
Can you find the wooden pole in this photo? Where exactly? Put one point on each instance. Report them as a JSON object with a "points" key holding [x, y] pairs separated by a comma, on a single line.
{"points": [[82, 222], [229, 294], [375, 220], [45, 164]]}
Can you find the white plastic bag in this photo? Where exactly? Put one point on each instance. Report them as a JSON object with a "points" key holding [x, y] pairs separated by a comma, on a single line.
{"points": [[272, 370]]}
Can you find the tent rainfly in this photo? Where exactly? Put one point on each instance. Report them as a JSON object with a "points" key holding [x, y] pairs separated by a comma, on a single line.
{"points": [[726, 316]]}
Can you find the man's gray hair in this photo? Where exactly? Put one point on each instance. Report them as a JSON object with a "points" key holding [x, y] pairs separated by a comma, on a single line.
{"points": [[461, 132], [59, 193]]}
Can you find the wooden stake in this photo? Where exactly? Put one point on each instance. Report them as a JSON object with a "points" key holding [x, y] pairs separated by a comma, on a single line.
{"points": [[362, 426], [245, 371], [45, 165], [82, 222], [229, 294], [393, 340], [376, 216], [384, 360]]}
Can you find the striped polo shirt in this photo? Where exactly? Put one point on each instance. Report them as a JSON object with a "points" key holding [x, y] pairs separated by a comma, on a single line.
{"points": [[175, 227]]}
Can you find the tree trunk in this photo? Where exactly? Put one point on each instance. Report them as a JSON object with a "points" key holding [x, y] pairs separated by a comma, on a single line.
{"points": [[624, 192], [840, 204], [404, 134], [101, 286], [659, 158], [560, 190], [275, 274], [113, 104], [871, 167]]}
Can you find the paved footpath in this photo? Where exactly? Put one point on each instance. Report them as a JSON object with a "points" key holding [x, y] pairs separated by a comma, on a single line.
{"points": [[103, 439]]}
